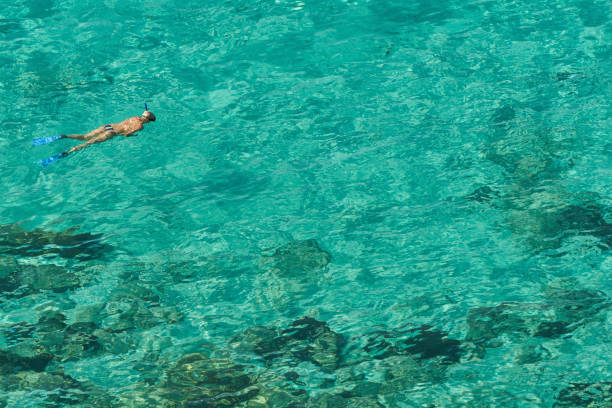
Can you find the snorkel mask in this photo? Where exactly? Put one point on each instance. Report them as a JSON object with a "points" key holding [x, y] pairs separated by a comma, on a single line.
{"points": [[150, 116]]}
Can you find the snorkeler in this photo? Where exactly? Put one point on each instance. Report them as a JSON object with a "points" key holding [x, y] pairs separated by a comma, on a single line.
{"points": [[126, 128]]}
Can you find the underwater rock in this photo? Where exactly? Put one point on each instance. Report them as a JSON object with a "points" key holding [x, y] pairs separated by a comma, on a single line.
{"points": [[10, 26], [323, 346], [577, 305], [198, 381], [37, 380], [565, 75], [132, 306], [483, 194], [592, 395], [344, 401], [552, 329], [530, 353], [59, 389], [125, 314], [50, 338], [133, 290], [18, 281], [115, 343], [15, 240], [131, 313], [48, 277], [575, 220], [8, 274], [394, 373], [428, 343], [274, 397], [548, 221], [258, 339], [423, 343], [141, 396], [405, 372], [306, 339], [27, 355], [289, 274], [486, 323], [79, 342], [574, 305], [88, 313], [15, 332], [51, 319], [564, 311], [503, 114], [296, 258]]}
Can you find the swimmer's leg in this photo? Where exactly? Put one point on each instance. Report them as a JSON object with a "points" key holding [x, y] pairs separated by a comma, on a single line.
{"points": [[78, 137], [93, 133]]}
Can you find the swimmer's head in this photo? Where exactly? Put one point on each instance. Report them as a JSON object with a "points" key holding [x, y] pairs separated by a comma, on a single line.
{"points": [[148, 116]]}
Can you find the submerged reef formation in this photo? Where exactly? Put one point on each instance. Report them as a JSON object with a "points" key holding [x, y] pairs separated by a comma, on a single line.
{"points": [[422, 343], [197, 380], [565, 309], [18, 280], [592, 395], [306, 339], [289, 272], [296, 259], [131, 306], [538, 206], [548, 219], [15, 240], [56, 388], [303, 362], [483, 194], [33, 346], [547, 227], [397, 360], [31, 353]]}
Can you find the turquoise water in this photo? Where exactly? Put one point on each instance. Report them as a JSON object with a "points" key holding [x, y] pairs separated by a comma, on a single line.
{"points": [[341, 204]]}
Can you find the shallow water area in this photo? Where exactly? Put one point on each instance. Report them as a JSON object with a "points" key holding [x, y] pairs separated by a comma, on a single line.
{"points": [[341, 204]]}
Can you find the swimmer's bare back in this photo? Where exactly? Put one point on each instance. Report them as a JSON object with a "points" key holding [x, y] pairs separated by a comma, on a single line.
{"points": [[125, 128]]}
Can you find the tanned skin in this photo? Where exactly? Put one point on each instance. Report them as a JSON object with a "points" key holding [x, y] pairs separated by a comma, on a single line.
{"points": [[126, 128]]}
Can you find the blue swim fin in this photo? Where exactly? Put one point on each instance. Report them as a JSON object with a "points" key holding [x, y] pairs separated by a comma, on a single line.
{"points": [[49, 160], [45, 140]]}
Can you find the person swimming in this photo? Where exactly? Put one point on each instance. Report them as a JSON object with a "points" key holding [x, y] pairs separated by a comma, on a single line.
{"points": [[125, 128]]}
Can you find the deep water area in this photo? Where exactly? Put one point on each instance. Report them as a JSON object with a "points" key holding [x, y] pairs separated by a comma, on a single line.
{"points": [[341, 204]]}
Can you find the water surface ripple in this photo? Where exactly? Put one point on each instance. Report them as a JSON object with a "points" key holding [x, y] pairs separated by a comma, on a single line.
{"points": [[369, 203]]}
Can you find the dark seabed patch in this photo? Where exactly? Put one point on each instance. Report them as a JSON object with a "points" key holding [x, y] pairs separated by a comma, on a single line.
{"points": [[592, 395], [306, 339], [564, 310], [15, 240]]}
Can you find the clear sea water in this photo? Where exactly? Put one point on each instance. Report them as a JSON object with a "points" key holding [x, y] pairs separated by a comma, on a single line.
{"points": [[427, 177]]}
